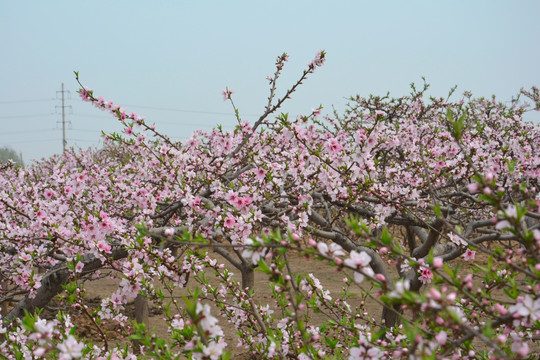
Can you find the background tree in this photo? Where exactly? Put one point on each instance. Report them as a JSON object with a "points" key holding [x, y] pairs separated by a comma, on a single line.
{"points": [[7, 154]]}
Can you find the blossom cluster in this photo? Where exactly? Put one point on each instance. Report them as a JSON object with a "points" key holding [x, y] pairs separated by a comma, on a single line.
{"points": [[392, 184]]}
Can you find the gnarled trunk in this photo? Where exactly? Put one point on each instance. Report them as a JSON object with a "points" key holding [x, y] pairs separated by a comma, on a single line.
{"points": [[248, 277], [51, 284]]}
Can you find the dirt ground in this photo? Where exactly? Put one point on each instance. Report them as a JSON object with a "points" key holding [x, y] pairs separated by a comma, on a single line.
{"points": [[330, 278]]}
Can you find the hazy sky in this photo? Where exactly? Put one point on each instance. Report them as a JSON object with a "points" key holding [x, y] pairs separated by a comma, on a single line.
{"points": [[169, 60]]}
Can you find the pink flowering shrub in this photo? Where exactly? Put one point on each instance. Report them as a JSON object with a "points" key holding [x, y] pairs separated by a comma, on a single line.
{"points": [[402, 195]]}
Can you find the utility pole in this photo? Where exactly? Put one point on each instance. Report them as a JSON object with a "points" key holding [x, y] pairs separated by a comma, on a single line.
{"points": [[64, 141], [63, 121]]}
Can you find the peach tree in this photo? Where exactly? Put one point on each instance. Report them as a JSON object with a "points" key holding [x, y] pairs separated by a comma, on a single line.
{"points": [[402, 196]]}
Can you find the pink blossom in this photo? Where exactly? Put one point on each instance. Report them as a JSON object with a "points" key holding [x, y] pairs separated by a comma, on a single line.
{"points": [[227, 94], [49, 193], [169, 232], [425, 276], [511, 211], [526, 306], [319, 59], [260, 173], [208, 322], [441, 337], [177, 323], [39, 352], [231, 196], [44, 327], [25, 257], [520, 347], [103, 246], [504, 224], [85, 94], [457, 239], [331, 251], [100, 101], [435, 294], [334, 146], [469, 254], [358, 259], [40, 215], [242, 202], [70, 348], [214, 350], [251, 252], [230, 221], [501, 309], [474, 187], [122, 115], [356, 353], [400, 287], [140, 138]]}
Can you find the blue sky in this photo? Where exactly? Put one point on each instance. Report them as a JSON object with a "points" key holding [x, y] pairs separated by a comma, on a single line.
{"points": [[169, 60]]}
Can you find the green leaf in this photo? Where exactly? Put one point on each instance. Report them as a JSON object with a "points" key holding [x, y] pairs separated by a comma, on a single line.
{"points": [[450, 116], [378, 335], [263, 267], [511, 165], [331, 342], [437, 210], [488, 330], [385, 237], [457, 125], [28, 321]]}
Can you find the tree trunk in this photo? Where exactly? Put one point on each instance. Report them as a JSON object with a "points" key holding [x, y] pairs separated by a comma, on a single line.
{"points": [[51, 285], [141, 316], [391, 316], [141, 309], [5, 304], [248, 277]]}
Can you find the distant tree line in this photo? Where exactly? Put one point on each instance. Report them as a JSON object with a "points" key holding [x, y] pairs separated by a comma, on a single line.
{"points": [[7, 154]]}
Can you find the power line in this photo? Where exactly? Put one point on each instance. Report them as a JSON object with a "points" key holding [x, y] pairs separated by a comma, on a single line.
{"points": [[94, 116], [32, 141], [158, 122], [82, 140], [178, 110], [136, 106], [28, 131], [182, 123], [25, 116], [86, 130], [187, 111], [24, 101]]}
